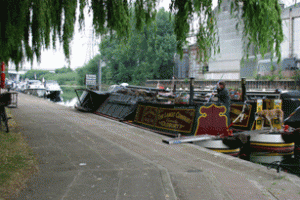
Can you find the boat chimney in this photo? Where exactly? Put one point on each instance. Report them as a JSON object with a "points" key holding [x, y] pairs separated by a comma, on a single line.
{"points": [[174, 84], [243, 82], [191, 90]]}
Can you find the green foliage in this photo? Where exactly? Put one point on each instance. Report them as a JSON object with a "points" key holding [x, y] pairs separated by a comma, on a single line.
{"points": [[272, 68], [271, 77], [63, 70], [280, 76], [28, 26], [61, 78], [30, 74], [262, 25], [185, 12], [90, 68], [145, 55], [296, 77]]}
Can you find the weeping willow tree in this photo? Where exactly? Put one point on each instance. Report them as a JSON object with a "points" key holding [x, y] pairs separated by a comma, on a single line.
{"points": [[29, 26]]}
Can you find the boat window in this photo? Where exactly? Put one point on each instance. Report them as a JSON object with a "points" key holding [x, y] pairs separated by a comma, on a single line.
{"points": [[34, 82]]}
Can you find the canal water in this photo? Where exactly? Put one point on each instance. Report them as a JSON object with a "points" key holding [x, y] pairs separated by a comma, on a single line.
{"points": [[69, 97], [288, 162]]}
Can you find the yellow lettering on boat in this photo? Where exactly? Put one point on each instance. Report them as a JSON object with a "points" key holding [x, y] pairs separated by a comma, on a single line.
{"points": [[182, 117], [235, 111]]}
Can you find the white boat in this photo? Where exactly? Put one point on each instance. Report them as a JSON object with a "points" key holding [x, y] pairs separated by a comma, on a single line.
{"points": [[21, 86], [35, 87], [53, 90]]}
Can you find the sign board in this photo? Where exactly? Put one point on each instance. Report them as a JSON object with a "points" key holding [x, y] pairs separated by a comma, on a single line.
{"points": [[90, 79], [173, 119]]}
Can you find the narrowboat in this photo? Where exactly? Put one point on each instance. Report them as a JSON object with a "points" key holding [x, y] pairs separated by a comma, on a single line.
{"points": [[174, 115]]}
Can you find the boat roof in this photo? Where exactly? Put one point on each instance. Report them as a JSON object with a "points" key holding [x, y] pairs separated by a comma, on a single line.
{"points": [[34, 81]]}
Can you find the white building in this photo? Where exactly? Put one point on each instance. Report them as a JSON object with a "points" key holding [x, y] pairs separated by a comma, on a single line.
{"points": [[227, 64]]}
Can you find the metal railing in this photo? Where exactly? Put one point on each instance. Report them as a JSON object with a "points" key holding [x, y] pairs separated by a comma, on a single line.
{"points": [[234, 84]]}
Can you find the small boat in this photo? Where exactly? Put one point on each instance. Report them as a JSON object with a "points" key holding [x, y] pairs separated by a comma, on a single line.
{"points": [[35, 87], [53, 90], [21, 86]]}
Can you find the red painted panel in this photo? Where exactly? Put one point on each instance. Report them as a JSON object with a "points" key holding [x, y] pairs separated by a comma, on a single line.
{"points": [[212, 121]]}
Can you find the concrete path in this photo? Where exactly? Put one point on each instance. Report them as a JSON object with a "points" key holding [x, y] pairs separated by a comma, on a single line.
{"points": [[85, 156]]}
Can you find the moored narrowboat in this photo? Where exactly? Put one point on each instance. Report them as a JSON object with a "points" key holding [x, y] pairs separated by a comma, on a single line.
{"points": [[164, 112]]}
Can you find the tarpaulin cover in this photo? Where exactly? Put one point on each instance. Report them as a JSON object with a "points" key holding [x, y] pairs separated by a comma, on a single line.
{"points": [[119, 105], [91, 100], [290, 102]]}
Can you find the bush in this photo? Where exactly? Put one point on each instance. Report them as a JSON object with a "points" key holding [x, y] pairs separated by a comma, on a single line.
{"points": [[62, 78], [38, 74], [63, 70]]}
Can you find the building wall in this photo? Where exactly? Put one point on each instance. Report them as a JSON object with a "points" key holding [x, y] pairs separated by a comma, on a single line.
{"points": [[285, 43], [228, 63], [181, 68], [195, 67], [296, 38]]}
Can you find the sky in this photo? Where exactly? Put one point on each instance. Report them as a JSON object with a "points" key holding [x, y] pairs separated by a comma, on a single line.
{"points": [[84, 46]]}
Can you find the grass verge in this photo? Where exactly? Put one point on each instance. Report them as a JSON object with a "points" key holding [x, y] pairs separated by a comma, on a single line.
{"points": [[17, 162]]}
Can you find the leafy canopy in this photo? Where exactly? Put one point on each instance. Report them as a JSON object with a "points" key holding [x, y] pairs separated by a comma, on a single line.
{"points": [[90, 68], [63, 70], [148, 54], [28, 26], [35, 74]]}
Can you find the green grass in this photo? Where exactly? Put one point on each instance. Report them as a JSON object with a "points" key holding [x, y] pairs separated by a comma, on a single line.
{"points": [[17, 162]]}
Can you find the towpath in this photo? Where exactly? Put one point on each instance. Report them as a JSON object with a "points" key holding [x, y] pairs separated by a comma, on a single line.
{"points": [[85, 156]]}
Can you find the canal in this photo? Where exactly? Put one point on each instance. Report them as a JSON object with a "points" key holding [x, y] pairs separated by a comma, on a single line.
{"points": [[288, 162]]}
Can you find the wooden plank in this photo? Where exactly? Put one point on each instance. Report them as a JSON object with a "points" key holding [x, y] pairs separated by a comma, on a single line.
{"points": [[189, 139]]}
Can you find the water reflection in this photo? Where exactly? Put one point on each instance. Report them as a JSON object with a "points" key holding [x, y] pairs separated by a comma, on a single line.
{"points": [[69, 103], [267, 158], [287, 162]]}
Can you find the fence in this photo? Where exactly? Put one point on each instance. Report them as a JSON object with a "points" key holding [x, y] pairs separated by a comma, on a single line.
{"points": [[250, 84]]}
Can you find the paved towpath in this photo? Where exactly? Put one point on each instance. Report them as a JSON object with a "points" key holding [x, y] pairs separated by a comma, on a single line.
{"points": [[86, 156]]}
